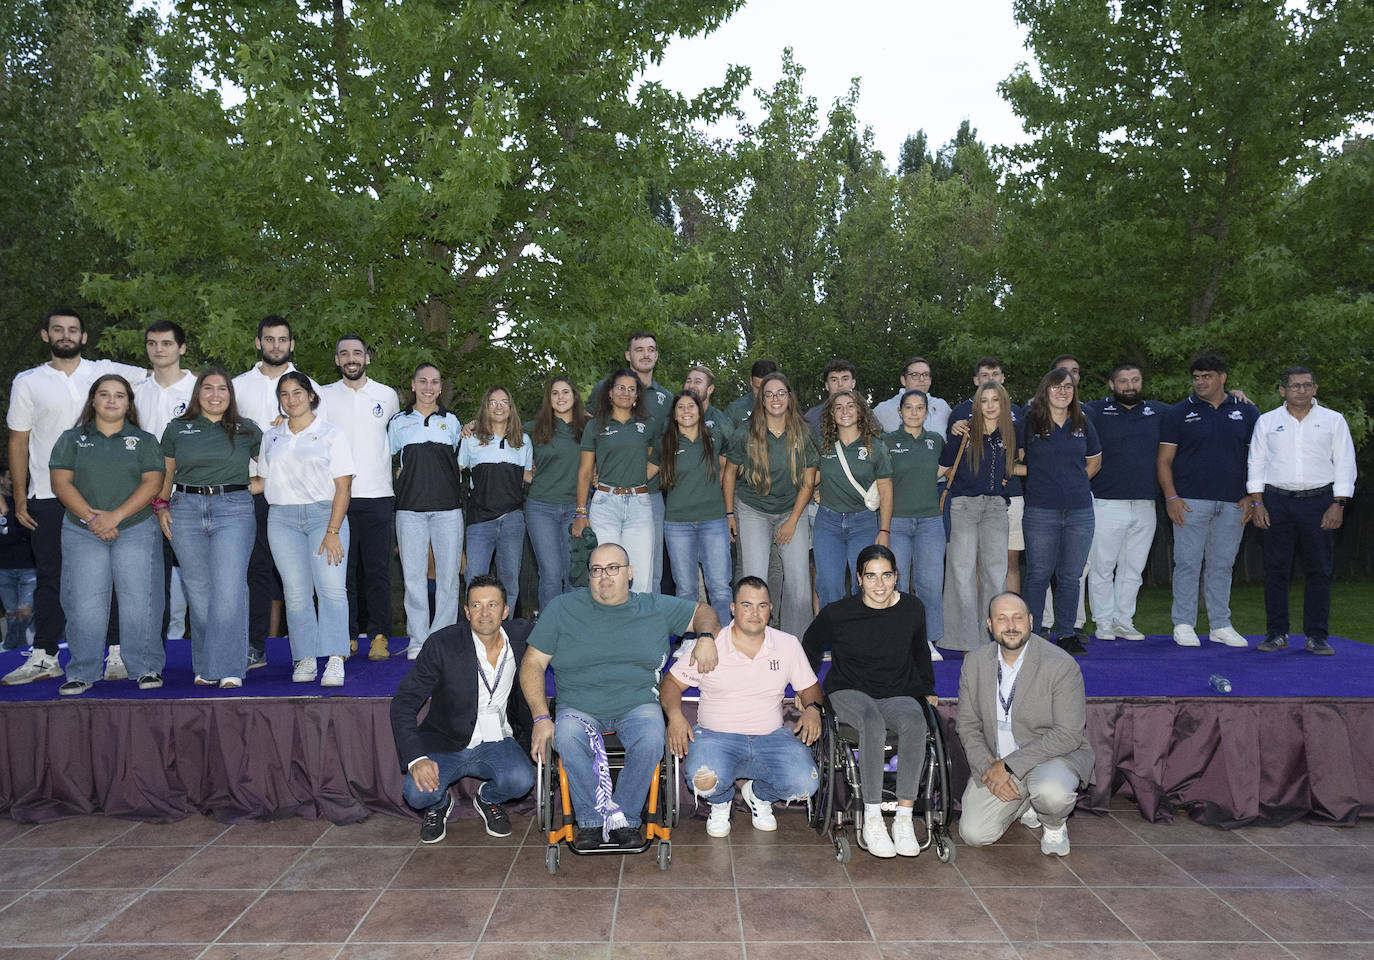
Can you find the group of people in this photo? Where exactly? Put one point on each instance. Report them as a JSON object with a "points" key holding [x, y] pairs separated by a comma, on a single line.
{"points": [[269, 487]]}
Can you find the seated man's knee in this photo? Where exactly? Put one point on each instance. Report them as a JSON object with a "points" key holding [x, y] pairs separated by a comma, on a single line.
{"points": [[569, 735], [704, 780]]}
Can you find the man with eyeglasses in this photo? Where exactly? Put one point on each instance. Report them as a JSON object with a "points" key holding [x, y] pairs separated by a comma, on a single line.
{"points": [[916, 375], [1301, 474], [607, 647]]}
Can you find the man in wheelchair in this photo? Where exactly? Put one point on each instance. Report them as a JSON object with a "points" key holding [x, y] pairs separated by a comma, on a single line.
{"points": [[1022, 721], [740, 730], [607, 647]]}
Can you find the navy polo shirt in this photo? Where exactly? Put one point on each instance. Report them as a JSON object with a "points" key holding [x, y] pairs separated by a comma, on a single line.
{"points": [[1056, 475], [1213, 443], [1130, 443], [963, 411]]}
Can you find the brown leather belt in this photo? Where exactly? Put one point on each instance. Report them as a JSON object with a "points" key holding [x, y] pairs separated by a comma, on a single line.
{"points": [[621, 491]]}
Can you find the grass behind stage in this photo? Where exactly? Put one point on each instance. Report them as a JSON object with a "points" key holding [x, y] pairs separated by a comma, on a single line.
{"points": [[1352, 610]]}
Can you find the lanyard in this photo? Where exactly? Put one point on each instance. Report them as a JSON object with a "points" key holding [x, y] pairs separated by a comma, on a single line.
{"points": [[1011, 694], [491, 688]]}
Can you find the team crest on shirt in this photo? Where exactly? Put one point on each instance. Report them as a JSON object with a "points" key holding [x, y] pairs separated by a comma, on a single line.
{"points": [[863, 453], [639, 426], [898, 447], [179, 409], [131, 443], [1236, 415], [930, 443], [443, 424], [1192, 418], [377, 410], [1149, 412]]}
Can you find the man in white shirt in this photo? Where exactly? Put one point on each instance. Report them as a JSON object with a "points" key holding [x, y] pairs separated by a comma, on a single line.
{"points": [[362, 408], [916, 375], [1301, 473], [255, 395], [45, 401]]}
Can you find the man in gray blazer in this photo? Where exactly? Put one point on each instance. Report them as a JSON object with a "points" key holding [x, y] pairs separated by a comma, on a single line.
{"points": [[1022, 718]]}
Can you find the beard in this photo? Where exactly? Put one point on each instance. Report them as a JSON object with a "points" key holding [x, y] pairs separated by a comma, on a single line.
{"points": [[276, 359], [62, 351], [352, 371], [1128, 398]]}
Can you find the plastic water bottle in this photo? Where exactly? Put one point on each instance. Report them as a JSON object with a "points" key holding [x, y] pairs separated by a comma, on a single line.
{"points": [[1219, 683]]}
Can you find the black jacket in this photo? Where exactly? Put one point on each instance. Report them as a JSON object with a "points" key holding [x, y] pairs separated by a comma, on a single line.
{"points": [[445, 674]]}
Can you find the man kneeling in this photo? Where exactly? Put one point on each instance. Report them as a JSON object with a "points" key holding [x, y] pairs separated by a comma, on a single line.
{"points": [[476, 715], [740, 730], [1022, 721]]}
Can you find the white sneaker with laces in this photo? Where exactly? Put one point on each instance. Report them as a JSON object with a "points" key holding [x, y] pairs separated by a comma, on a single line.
{"points": [[333, 673], [304, 671], [1228, 636], [1128, 631], [1186, 636], [114, 664], [904, 837], [760, 811], [876, 838], [1055, 841], [39, 666], [1104, 632], [1031, 819], [718, 823]]}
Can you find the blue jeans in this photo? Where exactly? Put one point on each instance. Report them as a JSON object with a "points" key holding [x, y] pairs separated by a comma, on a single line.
{"points": [[1057, 545], [505, 537], [657, 506], [919, 546], [548, 525], [1210, 534], [779, 764], [213, 538], [756, 532], [295, 532], [627, 519], [641, 733], [503, 764], [706, 542], [836, 542], [16, 593], [416, 534], [131, 566]]}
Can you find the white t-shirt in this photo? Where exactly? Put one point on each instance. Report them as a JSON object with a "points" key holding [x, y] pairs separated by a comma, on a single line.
{"points": [[158, 405], [363, 414], [301, 467], [255, 395], [47, 402]]}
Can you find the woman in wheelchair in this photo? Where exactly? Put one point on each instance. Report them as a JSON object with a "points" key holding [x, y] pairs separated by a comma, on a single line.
{"points": [[879, 671]]}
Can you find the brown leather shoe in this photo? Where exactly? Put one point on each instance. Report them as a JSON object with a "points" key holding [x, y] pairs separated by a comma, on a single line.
{"points": [[352, 645], [380, 650]]}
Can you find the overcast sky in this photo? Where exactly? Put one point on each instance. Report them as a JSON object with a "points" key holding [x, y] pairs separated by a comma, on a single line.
{"points": [[922, 63]]}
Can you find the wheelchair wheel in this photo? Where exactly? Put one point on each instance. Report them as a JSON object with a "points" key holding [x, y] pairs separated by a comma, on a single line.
{"points": [[665, 854], [672, 794], [827, 769], [944, 847], [842, 849], [551, 856], [544, 795]]}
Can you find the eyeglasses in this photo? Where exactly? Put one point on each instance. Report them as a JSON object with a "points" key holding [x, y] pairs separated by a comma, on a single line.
{"points": [[625, 388], [1062, 388], [609, 570], [1301, 386], [887, 576], [775, 394], [498, 404], [918, 376]]}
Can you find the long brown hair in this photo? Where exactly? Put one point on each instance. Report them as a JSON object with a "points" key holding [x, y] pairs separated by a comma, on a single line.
{"points": [[1005, 427], [1039, 419], [868, 427], [667, 455], [795, 432], [231, 423], [544, 421], [605, 409], [88, 411], [515, 433]]}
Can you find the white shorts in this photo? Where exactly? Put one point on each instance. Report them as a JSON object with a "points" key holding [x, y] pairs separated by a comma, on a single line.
{"points": [[1016, 509]]}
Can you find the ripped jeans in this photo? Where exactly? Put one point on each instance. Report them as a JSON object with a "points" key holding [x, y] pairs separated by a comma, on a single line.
{"points": [[779, 764]]}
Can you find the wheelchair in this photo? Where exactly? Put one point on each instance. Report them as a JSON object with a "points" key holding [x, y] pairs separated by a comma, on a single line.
{"points": [[660, 812], [838, 805]]}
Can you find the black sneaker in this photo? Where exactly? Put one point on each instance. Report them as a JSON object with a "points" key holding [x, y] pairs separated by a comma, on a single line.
{"points": [[588, 838], [1070, 644], [435, 826], [1319, 646], [1275, 641], [257, 658], [150, 681], [627, 838], [493, 817]]}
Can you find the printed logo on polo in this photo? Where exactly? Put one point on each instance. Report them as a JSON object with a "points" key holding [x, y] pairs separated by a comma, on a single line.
{"points": [[1149, 412], [899, 447], [377, 410], [639, 425], [131, 443], [775, 665], [83, 443], [1192, 417], [1235, 415], [863, 453], [1279, 429], [179, 408], [930, 443]]}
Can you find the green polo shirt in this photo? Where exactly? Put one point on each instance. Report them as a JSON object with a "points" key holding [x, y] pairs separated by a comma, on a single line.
{"points": [[107, 470], [204, 454], [720, 422], [606, 659], [658, 407], [740, 409], [555, 465], [837, 492], [782, 493], [915, 466], [621, 449], [696, 495]]}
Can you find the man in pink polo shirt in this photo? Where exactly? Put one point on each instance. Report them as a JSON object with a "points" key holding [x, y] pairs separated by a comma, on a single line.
{"points": [[740, 730]]}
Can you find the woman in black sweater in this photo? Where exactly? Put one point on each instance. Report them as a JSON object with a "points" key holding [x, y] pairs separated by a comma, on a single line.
{"points": [[880, 667]]}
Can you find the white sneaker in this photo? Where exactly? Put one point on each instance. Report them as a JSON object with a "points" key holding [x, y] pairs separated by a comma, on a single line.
{"points": [[718, 823], [333, 673], [1128, 631], [1186, 636], [904, 837], [304, 672], [876, 838], [1055, 840], [1104, 632], [760, 811], [39, 666], [1031, 819], [1228, 636], [114, 664], [935, 654]]}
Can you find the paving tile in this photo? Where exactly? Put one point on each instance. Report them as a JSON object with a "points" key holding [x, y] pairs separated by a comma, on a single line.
{"points": [[424, 916], [106, 951], [1239, 867], [1138, 866], [176, 916], [274, 951], [677, 914], [93, 831], [1302, 832], [188, 832], [1086, 829], [49, 917], [407, 951], [923, 950], [291, 832], [343, 868], [1001, 865], [12, 829], [377, 830], [793, 827], [1220, 951], [683, 951], [531, 869], [1182, 830], [767, 865], [1177, 913], [540, 951], [22, 868], [301, 916], [440, 867], [814, 950], [577, 915], [866, 870], [693, 865], [1051, 913], [1330, 866], [232, 867], [458, 832], [1301, 914], [895, 913], [801, 913], [120, 867], [34, 953], [1362, 897], [1084, 950], [1329, 951]]}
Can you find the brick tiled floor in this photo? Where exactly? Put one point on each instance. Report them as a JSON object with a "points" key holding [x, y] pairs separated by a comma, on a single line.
{"points": [[296, 890]]}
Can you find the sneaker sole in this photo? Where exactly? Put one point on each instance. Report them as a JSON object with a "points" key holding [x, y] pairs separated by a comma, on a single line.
{"points": [[486, 824], [442, 823], [717, 833]]}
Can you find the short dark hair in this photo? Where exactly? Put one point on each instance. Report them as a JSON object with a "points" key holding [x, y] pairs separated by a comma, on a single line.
{"points": [[639, 335], [839, 366], [992, 363], [296, 377], [352, 336], [424, 366], [1207, 361], [64, 312], [874, 551], [485, 580], [907, 394], [910, 360], [274, 320], [763, 368], [1124, 365], [168, 326], [1295, 370], [1062, 357], [756, 583]]}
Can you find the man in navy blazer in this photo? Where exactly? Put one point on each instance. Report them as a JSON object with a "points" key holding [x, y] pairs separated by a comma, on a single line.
{"points": [[1022, 722], [478, 723]]}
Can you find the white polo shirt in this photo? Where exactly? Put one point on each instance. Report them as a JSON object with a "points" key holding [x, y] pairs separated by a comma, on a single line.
{"points": [[158, 405], [301, 467], [363, 414], [47, 402], [255, 395], [1294, 454]]}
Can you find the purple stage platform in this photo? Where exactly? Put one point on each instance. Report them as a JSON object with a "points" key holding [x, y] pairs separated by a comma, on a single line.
{"points": [[1295, 739]]}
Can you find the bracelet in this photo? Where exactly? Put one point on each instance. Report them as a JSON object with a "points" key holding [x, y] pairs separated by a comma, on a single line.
{"points": [[1256, 503], [889, 532], [542, 716], [1174, 497], [729, 513], [580, 512], [159, 504], [333, 530], [87, 521]]}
